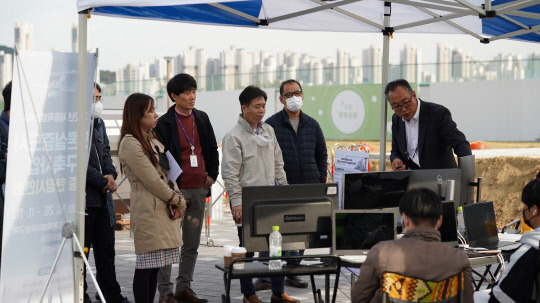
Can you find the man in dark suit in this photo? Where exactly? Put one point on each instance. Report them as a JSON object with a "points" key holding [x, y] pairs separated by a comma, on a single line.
{"points": [[423, 133]]}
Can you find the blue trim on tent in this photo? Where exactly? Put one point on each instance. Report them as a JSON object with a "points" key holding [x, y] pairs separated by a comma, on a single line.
{"points": [[499, 26], [201, 13]]}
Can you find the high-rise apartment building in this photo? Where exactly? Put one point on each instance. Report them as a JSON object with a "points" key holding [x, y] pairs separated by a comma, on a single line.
{"points": [[74, 38], [461, 65], [372, 65], [24, 33], [411, 64], [443, 62], [6, 68], [343, 61]]}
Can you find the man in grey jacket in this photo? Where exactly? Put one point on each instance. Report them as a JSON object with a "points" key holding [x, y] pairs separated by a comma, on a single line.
{"points": [[251, 156], [419, 253]]}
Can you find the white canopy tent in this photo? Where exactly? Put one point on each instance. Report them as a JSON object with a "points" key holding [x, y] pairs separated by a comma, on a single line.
{"points": [[484, 20]]}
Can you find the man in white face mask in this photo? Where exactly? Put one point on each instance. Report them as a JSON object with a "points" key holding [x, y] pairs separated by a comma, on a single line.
{"points": [[100, 214], [303, 146]]}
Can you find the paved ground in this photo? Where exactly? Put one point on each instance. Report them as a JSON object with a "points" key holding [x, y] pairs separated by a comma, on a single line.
{"points": [[208, 280]]}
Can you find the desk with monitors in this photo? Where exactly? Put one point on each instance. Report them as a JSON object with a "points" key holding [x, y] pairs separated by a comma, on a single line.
{"points": [[302, 212]]}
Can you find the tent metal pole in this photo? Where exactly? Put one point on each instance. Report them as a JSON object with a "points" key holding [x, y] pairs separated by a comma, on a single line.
{"points": [[81, 153], [385, 68]]}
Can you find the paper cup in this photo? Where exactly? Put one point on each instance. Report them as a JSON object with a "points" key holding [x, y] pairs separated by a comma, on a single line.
{"points": [[237, 253], [227, 257]]}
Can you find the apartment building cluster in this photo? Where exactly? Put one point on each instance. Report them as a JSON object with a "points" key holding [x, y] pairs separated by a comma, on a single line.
{"points": [[237, 67]]}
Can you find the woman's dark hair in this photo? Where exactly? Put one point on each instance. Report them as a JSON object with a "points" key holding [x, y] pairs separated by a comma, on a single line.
{"points": [[531, 193], [135, 107], [249, 93], [179, 84], [421, 205]]}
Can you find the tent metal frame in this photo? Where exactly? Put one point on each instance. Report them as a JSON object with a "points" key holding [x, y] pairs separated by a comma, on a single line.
{"points": [[455, 9]]}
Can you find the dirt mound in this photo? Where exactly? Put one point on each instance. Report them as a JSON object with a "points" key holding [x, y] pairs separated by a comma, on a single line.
{"points": [[503, 178]]}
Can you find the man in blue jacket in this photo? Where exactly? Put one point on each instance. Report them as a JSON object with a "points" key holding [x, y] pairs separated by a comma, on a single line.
{"points": [[98, 231], [302, 143]]}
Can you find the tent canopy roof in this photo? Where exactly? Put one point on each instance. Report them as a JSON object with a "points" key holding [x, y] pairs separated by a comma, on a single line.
{"points": [[483, 19]]}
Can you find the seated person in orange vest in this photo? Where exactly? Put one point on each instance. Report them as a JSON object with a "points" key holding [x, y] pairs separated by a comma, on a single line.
{"points": [[419, 253]]}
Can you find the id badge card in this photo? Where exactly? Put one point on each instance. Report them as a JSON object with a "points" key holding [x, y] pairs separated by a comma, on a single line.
{"points": [[193, 160]]}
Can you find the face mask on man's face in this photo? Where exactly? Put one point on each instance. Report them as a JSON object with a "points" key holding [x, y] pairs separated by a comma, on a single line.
{"points": [[98, 110], [294, 103]]}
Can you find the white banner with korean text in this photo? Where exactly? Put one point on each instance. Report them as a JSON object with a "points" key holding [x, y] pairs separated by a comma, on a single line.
{"points": [[40, 192]]}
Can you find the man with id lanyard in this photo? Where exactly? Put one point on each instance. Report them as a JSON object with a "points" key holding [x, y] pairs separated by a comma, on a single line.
{"points": [[188, 135]]}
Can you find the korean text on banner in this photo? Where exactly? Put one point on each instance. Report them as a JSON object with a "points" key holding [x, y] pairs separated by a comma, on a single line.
{"points": [[44, 93]]}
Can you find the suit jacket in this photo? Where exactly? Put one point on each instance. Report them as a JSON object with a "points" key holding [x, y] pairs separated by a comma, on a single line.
{"points": [[437, 136], [167, 132]]}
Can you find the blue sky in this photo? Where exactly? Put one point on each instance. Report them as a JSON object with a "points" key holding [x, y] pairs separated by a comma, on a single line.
{"points": [[123, 41]]}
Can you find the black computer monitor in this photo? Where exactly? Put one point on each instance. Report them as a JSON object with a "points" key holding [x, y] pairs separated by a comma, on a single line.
{"points": [[448, 228], [303, 213], [468, 174], [373, 190]]}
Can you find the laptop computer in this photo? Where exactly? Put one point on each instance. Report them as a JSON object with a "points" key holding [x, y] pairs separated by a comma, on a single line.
{"points": [[354, 232], [448, 227], [481, 227]]}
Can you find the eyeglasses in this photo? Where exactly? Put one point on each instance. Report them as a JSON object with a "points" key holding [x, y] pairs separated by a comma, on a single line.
{"points": [[297, 93], [98, 99], [403, 106]]}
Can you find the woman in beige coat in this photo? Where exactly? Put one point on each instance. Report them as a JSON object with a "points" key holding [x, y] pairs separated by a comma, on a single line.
{"points": [[156, 203]]}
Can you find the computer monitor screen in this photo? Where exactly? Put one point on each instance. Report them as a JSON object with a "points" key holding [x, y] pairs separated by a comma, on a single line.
{"points": [[303, 213], [448, 227], [356, 231], [480, 223], [373, 190]]}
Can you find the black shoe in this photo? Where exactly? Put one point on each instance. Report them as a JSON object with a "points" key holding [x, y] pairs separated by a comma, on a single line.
{"points": [[262, 285], [295, 281], [125, 300]]}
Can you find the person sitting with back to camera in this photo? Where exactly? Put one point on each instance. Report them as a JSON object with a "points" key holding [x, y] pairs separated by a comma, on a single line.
{"points": [[419, 253]]}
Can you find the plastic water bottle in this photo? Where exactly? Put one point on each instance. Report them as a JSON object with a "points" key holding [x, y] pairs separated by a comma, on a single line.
{"points": [[275, 248], [461, 222]]}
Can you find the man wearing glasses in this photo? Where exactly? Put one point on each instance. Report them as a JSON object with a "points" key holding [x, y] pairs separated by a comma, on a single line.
{"points": [[423, 133], [303, 146]]}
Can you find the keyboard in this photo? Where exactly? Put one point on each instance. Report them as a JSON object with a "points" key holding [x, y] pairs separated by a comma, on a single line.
{"points": [[354, 258], [502, 245]]}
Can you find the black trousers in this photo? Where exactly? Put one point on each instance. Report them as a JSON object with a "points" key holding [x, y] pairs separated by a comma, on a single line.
{"points": [[99, 234]]}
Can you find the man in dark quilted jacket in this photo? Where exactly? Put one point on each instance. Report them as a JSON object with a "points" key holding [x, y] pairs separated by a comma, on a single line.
{"points": [[302, 143]]}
